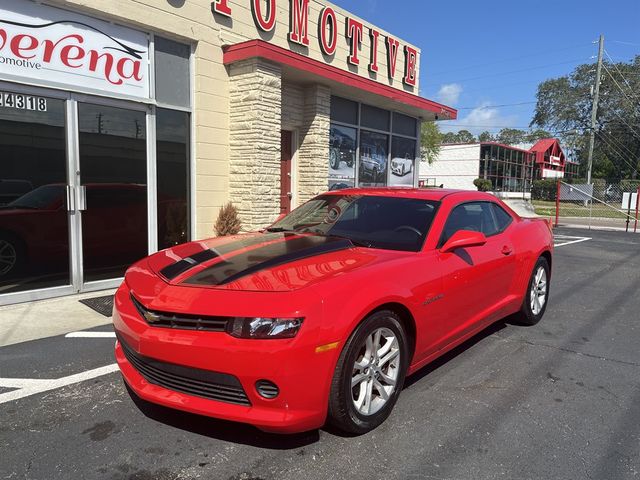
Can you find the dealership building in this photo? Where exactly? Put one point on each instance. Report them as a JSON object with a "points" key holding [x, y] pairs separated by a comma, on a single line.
{"points": [[125, 126], [511, 168]]}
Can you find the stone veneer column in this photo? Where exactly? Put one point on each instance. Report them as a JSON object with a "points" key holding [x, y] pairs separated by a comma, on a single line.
{"points": [[255, 117], [313, 153]]}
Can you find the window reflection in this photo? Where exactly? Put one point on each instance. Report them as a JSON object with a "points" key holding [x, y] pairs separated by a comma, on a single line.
{"points": [[34, 229], [113, 168]]}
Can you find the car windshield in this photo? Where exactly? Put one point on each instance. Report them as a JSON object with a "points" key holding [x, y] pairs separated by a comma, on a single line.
{"points": [[39, 199], [393, 223]]}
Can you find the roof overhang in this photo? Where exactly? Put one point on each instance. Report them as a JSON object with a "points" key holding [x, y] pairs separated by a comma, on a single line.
{"points": [[305, 70]]}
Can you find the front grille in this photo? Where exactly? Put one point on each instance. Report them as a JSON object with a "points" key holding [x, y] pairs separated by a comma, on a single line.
{"points": [[181, 321], [192, 381]]}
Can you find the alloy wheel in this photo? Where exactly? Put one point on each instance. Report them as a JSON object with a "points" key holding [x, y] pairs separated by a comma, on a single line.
{"points": [[538, 294], [375, 371]]}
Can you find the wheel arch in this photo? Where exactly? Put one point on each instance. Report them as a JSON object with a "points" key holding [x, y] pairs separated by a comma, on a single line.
{"points": [[546, 254], [406, 318]]}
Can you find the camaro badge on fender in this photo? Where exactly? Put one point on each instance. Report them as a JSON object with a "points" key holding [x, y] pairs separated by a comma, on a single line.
{"points": [[429, 301]]}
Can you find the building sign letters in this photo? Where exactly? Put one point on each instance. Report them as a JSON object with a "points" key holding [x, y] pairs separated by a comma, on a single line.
{"points": [[264, 16]]}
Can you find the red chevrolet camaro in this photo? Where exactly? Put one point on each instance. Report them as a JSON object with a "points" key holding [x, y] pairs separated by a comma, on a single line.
{"points": [[321, 316]]}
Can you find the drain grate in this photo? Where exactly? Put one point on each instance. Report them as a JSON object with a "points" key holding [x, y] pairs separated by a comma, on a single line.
{"points": [[102, 305]]}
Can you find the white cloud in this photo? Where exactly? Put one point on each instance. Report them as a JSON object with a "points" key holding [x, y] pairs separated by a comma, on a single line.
{"points": [[449, 93], [480, 119]]}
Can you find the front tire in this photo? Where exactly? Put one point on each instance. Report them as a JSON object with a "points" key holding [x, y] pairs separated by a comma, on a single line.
{"points": [[537, 296], [370, 374]]}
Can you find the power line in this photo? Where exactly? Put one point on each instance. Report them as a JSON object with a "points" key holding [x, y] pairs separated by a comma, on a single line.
{"points": [[496, 106], [618, 70], [620, 154], [617, 84], [617, 142], [518, 71], [507, 60]]}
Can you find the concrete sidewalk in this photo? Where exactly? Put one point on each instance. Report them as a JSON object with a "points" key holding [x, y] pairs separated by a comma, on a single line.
{"points": [[47, 318]]}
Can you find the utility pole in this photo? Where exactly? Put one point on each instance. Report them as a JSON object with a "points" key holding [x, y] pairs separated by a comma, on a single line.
{"points": [[594, 108]]}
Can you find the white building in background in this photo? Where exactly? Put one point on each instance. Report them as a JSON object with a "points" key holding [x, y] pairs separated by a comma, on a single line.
{"points": [[455, 167], [511, 169]]}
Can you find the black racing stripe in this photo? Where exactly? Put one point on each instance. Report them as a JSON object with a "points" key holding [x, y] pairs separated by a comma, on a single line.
{"points": [[172, 271], [265, 257]]}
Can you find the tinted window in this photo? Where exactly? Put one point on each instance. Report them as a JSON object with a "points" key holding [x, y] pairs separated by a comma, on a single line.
{"points": [[377, 222], [344, 111], [475, 216], [502, 218], [404, 125], [172, 72], [374, 117], [172, 159]]}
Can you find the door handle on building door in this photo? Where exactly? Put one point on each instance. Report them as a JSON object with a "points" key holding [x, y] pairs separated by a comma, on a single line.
{"points": [[82, 198], [71, 203]]}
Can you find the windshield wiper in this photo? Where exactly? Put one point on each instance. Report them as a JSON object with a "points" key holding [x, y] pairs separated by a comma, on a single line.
{"points": [[278, 229], [356, 242]]}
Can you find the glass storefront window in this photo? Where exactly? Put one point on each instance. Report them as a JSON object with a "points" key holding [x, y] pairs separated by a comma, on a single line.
{"points": [[403, 153], [34, 225], [375, 118], [113, 171], [172, 157], [373, 159], [342, 157], [382, 158], [172, 72], [344, 111], [404, 125]]}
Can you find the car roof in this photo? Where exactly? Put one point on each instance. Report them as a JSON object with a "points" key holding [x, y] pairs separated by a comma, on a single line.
{"points": [[434, 194]]}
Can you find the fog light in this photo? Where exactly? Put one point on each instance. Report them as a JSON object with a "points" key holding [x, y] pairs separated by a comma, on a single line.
{"points": [[267, 389]]}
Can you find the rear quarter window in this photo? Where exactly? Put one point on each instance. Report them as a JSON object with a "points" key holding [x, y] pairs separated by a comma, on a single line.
{"points": [[503, 219]]}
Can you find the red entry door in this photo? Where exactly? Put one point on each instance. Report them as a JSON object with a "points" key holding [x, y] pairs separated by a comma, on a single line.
{"points": [[285, 171]]}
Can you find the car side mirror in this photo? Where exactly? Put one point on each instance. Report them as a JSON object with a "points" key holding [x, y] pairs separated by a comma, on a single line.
{"points": [[464, 239]]}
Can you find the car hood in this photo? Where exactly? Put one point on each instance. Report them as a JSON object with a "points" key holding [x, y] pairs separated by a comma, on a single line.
{"points": [[263, 262]]}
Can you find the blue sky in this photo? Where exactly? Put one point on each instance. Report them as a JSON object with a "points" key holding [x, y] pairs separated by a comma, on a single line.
{"points": [[476, 54]]}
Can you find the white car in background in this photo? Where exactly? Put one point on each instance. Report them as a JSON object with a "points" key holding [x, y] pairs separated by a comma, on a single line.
{"points": [[401, 166]]}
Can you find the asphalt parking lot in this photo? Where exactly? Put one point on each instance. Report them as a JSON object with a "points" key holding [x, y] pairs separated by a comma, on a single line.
{"points": [[560, 400]]}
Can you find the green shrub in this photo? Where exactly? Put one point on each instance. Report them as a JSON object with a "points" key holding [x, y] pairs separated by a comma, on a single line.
{"points": [[483, 184], [545, 189]]}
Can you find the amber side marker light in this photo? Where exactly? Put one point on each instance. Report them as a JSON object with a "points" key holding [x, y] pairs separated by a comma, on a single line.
{"points": [[327, 347]]}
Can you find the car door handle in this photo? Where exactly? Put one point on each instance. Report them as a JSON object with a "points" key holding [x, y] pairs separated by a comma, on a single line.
{"points": [[506, 250]]}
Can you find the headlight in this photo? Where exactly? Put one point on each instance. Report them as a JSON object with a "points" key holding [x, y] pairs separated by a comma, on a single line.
{"points": [[264, 328]]}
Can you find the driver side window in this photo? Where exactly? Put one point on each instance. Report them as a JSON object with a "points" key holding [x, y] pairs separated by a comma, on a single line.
{"points": [[474, 216]]}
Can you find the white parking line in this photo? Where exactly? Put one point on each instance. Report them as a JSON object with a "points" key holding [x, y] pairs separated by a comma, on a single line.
{"points": [[568, 240], [30, 386], [90, 335]]}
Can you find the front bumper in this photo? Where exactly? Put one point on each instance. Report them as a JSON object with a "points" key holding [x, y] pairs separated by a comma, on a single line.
{"points": [[302, 375]]}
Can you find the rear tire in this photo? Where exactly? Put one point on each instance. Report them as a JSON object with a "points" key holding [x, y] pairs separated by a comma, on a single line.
{"points": [[537, 296], [369, 375]]}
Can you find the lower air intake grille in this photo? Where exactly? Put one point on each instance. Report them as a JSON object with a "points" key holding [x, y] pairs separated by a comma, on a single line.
{"points": [[192, 381]]}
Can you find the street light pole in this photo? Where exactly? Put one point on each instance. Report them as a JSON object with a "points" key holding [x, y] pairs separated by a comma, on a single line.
{"points": [[594, 109]]}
